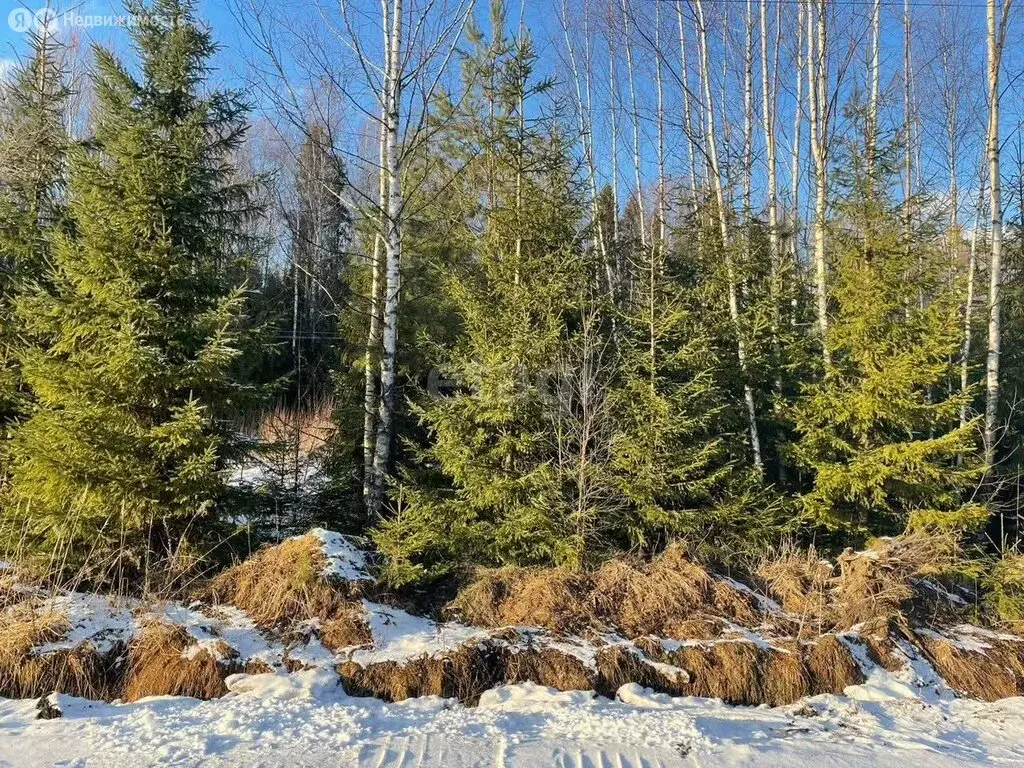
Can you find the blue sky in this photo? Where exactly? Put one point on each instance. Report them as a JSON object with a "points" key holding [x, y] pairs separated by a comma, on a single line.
{"points": [[541, 17]]}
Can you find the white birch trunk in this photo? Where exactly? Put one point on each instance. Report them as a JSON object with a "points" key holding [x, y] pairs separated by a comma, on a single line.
{"points": [[816, 53], [996, 35], [393, 269], [716, 181]]}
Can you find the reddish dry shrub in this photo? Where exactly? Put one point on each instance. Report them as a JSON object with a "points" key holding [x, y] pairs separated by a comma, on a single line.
{"points": [[309, 429]]}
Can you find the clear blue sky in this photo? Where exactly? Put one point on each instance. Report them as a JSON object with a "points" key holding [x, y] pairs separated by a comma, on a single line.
{"points": [[541, 17]]}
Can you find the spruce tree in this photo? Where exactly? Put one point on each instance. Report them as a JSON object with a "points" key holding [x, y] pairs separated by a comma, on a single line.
{"points": [[879, 431], [142, 323], [674, 455], [33, 147], [485, 489]]}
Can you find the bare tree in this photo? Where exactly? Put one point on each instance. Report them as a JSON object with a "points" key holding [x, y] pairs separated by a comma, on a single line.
{"points": [[817, 75], [635, 115], [874, 75], [798, 114], [718, 185], [998, 18]]}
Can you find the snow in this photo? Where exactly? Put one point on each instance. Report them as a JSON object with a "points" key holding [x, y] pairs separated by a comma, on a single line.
{"points": [[400, 636], [306, 719], [892, 720], [95, 619], [344, 561], [530, 696], [916, 680]]}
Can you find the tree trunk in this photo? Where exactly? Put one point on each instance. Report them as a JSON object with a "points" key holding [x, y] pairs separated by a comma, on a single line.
{"points": [[716, 180], [798, 119], [996, 35], [972, 261], [816, 54], [687, 117], [635, 115], [370, 402], [875, 76], [393, 271]]}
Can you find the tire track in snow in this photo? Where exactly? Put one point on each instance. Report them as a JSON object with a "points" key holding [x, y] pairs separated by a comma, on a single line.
{"points": [[432, 750]]}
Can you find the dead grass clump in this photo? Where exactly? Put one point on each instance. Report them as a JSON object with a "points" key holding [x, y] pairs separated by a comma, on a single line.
{"points": [[665, 596], [989, 668], [553, 598], [164, 661], [550, 667], [799, 580], [730, 671], [618, 665], [662, 597], [282, 585], [642, 599], [880, 637], [830, 666], [27, 673], [742, 672], [696, 628], [463, 673], [877, 583]]}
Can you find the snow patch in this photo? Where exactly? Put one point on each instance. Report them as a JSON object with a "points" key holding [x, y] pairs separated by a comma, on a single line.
{"points": [[644, 698], [344, 561], [308, 684], [400, 636], [526, 696]]}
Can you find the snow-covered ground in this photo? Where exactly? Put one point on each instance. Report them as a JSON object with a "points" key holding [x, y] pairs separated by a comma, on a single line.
{"points": [[305, 719]]}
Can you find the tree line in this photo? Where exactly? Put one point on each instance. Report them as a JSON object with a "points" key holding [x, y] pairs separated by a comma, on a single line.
{"points": [[566, 299]]}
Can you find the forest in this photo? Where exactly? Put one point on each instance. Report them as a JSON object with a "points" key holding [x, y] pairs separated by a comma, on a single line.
{"points": [[485, 285]]}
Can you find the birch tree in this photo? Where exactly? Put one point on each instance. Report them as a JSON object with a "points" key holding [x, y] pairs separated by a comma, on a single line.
{"points": [[817, 74], [998, 15], [723, 224]]}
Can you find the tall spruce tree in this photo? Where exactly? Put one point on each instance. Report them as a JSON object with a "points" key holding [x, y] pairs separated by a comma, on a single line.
{"points": [[674, 454], [485, 489], [879, 431], [33, 148], [142, 324]]}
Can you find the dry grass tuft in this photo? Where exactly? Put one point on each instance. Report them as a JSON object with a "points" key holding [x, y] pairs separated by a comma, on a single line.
{"points": [[886, 581], [284, 585], [646, 599], [990, 673], [554, 598], [878, 582], [830, 665], [799, 580], [163, 661], [26, 673], [664, 597], [741, 672], [463, 673]]}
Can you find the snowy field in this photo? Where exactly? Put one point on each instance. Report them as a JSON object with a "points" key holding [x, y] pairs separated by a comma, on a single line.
{"points": [[305, 719]]}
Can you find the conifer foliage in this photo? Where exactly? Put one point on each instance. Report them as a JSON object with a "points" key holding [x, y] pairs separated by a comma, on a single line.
{"points": [[880, 430], [142, 324], [33, 148]]}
